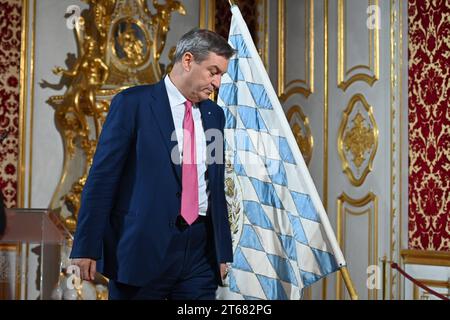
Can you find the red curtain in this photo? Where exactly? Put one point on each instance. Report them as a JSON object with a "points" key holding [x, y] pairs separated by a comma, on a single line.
{"points": [[10, 35], [429, 125], [248, 9]]}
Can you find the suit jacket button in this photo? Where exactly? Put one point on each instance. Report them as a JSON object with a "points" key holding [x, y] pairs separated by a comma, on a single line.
{"points": [[178, 194]]}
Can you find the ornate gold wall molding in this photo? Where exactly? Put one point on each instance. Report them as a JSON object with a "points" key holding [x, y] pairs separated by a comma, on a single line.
{"points": [[281, 46], [325, 105], [357, 144], [436, 285], [120, 43], [396, 132], [26, 88], [367, 73], [301, 86], [262, 41], [23, 103], [325, 122], [207, 14], [302, 131], [348, 207], [426, 257]]}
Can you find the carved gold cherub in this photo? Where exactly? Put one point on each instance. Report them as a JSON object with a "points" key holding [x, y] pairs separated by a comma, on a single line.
{"points": [[90, 73], [131, 45]]}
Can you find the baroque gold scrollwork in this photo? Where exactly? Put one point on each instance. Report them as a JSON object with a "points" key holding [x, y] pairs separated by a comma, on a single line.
{"points": [[120, 45], [357, 139], [130, 43], [90, 73], [162, 16], [302, 132]]}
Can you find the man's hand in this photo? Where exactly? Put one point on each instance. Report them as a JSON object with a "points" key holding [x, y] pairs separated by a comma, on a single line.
{"points": [[87, 268], [223, 270]]}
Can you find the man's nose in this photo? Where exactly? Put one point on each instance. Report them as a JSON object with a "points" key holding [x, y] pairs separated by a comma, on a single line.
{"points": [[216, 81]]}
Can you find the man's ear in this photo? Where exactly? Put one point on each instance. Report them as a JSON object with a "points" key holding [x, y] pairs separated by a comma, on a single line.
{"points": [[187, 61]]}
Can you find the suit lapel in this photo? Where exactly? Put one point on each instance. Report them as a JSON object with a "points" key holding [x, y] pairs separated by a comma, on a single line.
{"points": [[160, 107], [207, 117], [208, 123]]}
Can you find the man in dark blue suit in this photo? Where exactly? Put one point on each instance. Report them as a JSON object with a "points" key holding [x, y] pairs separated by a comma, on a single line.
{"points": [[153, 217]]}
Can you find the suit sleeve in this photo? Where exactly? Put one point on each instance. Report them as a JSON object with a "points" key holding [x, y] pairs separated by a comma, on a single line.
{"points": [[103, 180]]}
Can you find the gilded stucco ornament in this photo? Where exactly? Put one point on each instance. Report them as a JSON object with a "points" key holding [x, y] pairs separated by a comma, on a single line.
{"points": [[120, 44]]}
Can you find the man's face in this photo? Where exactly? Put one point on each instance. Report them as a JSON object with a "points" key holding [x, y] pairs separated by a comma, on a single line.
{"points": [[204, 77]]}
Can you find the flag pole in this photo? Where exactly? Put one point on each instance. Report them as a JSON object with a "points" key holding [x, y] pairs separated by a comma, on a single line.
{"points": [[348, 283]]}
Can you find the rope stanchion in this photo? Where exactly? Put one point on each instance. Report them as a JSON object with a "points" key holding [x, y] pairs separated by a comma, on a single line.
{"points": [[419, 284]]}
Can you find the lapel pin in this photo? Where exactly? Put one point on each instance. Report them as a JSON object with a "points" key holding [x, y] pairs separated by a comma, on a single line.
{"points": [[209, 112]]}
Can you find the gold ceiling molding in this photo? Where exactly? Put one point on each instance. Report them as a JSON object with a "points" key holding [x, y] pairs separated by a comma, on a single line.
{"points": [[357, 139], [367, 73], [120, 43], [303, 86], [423, 257], [348, 207], [302, 131]]}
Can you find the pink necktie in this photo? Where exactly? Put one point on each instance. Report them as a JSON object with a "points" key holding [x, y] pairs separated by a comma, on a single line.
{"points": [[189, 180]]}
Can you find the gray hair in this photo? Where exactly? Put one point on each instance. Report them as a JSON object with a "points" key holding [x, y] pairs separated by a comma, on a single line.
{"points": [[200, 42]]}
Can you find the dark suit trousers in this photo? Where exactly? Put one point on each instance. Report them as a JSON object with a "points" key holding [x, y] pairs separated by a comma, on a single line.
{"points": [[190, 270]]}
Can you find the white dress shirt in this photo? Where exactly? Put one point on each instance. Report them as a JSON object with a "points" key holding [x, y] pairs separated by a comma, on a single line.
{"points": [[176, 101]]}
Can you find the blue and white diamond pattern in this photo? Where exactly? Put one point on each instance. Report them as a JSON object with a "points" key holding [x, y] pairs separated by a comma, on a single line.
{"points": [[282, 246]]}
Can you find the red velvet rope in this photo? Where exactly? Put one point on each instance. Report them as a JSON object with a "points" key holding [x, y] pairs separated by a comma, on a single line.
{"points": [[424, 287]]}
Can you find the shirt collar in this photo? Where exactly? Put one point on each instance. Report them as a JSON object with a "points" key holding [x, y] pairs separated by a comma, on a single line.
{"points": [[175, 96]]}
